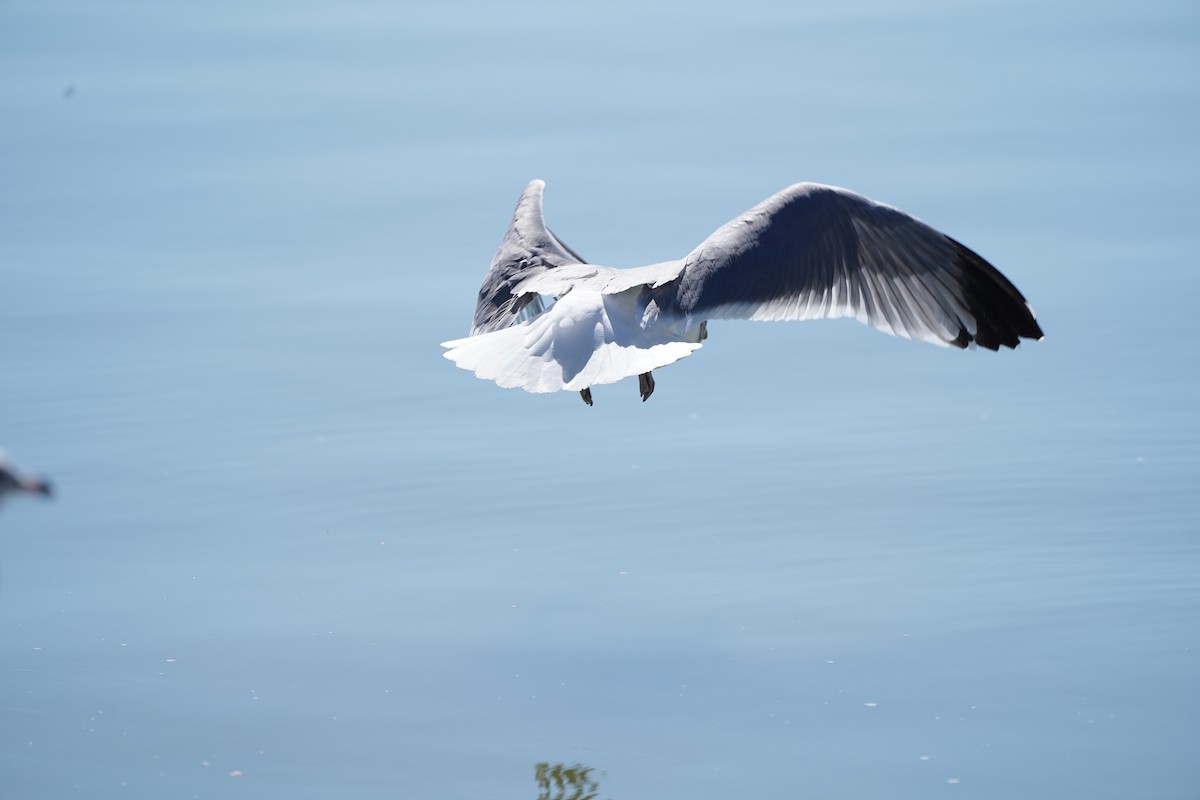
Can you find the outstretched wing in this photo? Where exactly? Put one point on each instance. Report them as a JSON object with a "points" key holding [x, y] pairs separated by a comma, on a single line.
{"points": [[528, 249], [814, 251]]}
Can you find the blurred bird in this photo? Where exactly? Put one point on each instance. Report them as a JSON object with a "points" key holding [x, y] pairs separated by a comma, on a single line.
{"points": [[547, 321], [12, 480]]}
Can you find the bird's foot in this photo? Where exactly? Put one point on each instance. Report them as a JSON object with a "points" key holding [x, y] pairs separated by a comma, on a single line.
{"points": [[586, 394], [645, 385]]}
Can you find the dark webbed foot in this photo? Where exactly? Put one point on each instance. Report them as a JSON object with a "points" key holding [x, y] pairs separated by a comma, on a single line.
{"points": [[586, 394], [645, 385]]}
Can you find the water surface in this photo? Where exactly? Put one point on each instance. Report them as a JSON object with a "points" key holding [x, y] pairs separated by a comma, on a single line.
{"points": [[297, 554]]}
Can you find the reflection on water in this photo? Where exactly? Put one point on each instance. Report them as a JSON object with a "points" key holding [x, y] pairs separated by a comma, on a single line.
{"points": [[560, 782]]}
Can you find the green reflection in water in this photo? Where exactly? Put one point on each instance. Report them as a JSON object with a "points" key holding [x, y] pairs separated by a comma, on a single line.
{"points": [[560, 782]]}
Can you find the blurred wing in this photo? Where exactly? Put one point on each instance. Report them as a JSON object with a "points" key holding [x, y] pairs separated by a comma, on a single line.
{"points": [[528, 249], [813, 252]]}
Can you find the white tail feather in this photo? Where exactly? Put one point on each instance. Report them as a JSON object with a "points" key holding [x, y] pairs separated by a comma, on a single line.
{"points": [[585, 339]]}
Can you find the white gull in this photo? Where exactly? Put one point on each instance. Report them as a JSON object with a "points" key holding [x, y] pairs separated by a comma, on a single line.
{"points": [[547, 321]]}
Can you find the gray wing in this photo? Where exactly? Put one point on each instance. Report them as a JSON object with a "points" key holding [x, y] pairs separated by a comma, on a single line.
{"points": [[528, 249], [814, 251]]}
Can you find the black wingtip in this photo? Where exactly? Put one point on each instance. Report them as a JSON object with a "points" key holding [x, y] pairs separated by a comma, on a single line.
{"points": [[1002, 317]]}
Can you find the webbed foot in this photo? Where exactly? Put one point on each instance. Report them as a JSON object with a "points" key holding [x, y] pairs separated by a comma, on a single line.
{"points": [[645, 385], [586, 394]]}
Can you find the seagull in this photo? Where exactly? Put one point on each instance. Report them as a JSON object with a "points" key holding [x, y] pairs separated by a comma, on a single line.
{"points": [[548, 321], [13, 480]]}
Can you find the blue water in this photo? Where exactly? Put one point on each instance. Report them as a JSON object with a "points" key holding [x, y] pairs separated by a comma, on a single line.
{"points": [[296, 554]]}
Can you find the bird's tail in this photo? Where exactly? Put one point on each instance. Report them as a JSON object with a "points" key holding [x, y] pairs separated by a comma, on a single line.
{"points": [[577, 343]]}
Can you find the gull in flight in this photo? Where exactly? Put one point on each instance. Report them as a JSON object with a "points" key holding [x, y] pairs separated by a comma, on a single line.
{"points": [[13, 480], [548, 321]]}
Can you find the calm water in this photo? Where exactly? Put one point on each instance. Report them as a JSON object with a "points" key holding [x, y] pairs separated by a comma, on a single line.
{"points": [[296, 554]]}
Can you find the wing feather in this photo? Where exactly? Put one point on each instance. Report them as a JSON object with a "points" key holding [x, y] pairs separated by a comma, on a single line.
{"points": [[528, 249], [815, 251]]}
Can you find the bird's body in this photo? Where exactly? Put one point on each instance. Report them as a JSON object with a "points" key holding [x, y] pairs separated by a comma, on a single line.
{"points": [[12, 480], [546, 321]]}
